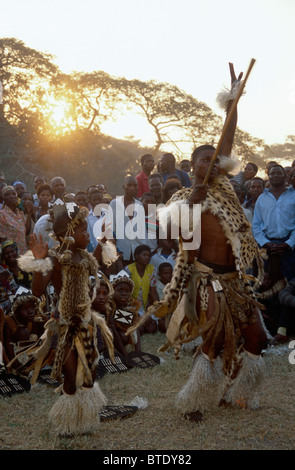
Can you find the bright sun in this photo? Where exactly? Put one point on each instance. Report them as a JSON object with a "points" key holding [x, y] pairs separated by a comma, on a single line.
{"points": [[59, 116]]}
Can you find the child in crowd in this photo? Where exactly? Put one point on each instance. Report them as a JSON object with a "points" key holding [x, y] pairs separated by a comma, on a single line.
{"points": [[166, 252], [45, 195], [142, 274], [164, 277], [103, 305], [69, 268], [81, 199], [29, 211], [125, 315], [9, 260], [8, 288]]}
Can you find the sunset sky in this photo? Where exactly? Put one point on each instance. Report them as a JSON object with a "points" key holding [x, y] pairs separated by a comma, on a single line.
{"points": [[184, 42]]}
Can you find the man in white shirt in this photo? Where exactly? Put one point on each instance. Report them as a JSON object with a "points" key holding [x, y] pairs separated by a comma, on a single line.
{"points": [[127, 218]]}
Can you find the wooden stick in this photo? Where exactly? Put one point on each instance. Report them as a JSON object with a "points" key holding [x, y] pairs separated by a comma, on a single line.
{"points": [[228, 120]]}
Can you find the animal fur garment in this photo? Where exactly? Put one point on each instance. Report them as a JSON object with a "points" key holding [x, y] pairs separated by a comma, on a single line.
{"points": [[236, 300], [222, 201], [77, 322]]}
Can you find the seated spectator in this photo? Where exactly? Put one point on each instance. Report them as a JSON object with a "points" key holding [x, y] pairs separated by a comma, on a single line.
{"points": [[286, 326], [125, 315], [143, 275], [24, 325], [8, 288], [45, 195], [166, 252], [156, 183], [168, 168], [13, 223], [147, 164], [268, 296], [9, 261], [103, 305], [164, 277]]}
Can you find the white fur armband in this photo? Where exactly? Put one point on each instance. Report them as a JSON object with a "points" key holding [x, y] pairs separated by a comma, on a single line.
{"points": [[170, 214], [108, 253], [226, 95], [30, 264], [228, 163]]}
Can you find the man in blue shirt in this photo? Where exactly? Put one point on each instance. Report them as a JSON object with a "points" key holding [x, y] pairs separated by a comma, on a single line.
{"points": [[273, 223], [168, 169]]}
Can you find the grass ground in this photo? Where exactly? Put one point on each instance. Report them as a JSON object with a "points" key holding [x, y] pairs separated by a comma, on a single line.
{"points": [[158, 427]]}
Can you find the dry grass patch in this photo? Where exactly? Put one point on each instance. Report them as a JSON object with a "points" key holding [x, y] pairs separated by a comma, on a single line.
{"points": [[24, 418]]}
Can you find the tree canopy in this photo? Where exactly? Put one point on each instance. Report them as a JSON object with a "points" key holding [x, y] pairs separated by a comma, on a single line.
{"points": [[51, 122]]}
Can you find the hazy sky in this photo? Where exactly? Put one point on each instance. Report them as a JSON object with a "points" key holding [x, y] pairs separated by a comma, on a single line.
{"points": [[184, 42]]}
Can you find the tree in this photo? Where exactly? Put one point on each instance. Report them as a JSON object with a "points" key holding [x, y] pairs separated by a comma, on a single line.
{"points": [[24, 73], [92, 98]]}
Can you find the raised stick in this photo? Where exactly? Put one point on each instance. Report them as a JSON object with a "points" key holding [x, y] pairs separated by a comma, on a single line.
{"points": [[229, 118]]}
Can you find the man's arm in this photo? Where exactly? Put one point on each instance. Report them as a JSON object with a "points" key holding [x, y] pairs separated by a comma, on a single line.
{"points": [[40, 251]]}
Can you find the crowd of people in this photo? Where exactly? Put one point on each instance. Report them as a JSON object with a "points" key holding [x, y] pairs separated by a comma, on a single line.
{"points": [[96, 271], [268, 205]]}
